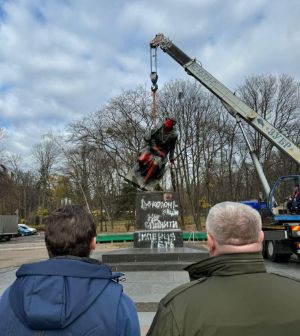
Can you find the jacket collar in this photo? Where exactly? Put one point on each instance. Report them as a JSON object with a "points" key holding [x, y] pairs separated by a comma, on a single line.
{"points": [[69, 266], [227, 264]]}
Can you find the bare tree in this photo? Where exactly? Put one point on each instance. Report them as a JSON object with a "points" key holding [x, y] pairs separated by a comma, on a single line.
{"points": [[46, 154], [200, 126], [276, 99], [213, 163]]}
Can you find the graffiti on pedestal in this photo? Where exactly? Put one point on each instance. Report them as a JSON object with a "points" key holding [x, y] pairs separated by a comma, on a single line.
{"points": [[157, 220], [157, 211], [157, 239], [153, 222]]}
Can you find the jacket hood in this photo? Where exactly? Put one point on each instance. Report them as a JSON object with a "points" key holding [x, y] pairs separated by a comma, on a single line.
{"points": [[51, 294], [227, 265]]}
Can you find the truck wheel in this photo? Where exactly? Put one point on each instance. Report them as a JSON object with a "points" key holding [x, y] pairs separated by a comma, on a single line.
{"points": [[264, 249], [275, 256], [270, 250], [7, 238]]}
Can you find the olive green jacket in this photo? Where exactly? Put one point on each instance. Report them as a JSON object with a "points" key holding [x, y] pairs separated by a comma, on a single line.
{"points": [[230, 295]]}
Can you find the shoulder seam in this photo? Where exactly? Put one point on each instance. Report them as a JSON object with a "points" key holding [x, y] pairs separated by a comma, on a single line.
{"points": [[169, 297], [285, 276]]}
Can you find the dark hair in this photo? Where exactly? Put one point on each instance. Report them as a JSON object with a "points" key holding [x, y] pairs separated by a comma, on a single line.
{"points": [[69, 231]]}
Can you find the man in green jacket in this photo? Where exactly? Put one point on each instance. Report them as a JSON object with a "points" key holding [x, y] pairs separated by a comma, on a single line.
{"points": [[231, 293]]}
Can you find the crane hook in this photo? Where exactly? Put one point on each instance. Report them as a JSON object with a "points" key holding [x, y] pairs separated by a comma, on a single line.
{"points": [[154, 78], [153, 73]]}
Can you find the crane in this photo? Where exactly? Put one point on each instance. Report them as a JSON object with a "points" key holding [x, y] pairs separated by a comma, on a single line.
{"points": [[281, 229], [233, 104]]}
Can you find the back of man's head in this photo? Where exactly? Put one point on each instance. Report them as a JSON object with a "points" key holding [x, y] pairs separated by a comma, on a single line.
{"points": [[234, 224], [69, 231]]}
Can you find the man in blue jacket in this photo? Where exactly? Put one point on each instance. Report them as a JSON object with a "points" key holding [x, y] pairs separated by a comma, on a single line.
{"points": [[70, 293]]}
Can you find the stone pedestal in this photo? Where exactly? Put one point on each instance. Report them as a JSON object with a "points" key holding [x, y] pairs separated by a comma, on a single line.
{"points": [[158, 241], [157, 220], [153, 259]]}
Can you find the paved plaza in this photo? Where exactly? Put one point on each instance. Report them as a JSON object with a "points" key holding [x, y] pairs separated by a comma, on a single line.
{"points": [[146, 288]]}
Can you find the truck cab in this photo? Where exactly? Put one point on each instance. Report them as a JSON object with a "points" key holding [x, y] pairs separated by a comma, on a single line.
{"points": [[280, 222]]}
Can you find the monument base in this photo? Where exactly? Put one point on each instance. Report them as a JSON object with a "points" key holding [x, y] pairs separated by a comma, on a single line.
{"points": [[150, 259]]}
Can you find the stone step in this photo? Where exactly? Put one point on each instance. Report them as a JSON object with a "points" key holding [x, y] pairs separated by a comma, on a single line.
{"points": [[146, 306], [150, 287], [155, 255], [147, 266]]}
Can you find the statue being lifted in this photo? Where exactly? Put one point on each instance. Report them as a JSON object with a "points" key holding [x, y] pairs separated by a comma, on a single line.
{"points": [[158, 150], [159, 144]]}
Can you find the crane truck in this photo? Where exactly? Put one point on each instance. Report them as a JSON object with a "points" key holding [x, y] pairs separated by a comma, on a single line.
{"points": [[281, 226]]}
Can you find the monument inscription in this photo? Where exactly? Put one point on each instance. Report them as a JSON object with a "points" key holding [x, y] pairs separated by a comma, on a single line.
{"points": [[157, 220]]}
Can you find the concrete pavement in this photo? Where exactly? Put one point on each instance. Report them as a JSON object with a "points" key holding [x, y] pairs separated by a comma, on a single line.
{"points": [[17, 252], [146, 299], [145, 288]]}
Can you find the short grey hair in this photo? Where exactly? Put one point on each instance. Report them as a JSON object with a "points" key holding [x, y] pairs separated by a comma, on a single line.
{"points": [[232, 223]]}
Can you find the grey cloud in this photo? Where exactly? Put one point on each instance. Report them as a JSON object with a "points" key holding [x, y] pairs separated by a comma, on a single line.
{"points": [[60, 60]]}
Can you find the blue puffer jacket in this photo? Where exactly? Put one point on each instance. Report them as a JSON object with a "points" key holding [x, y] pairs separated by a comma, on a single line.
{"points": [[67, 296]]}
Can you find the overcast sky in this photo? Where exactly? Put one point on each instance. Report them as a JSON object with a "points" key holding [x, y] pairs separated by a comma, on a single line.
{"points": [[63, 59]]}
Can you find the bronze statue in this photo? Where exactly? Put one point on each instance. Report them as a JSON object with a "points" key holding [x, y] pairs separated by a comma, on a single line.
{"points": [[152, 160]]}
